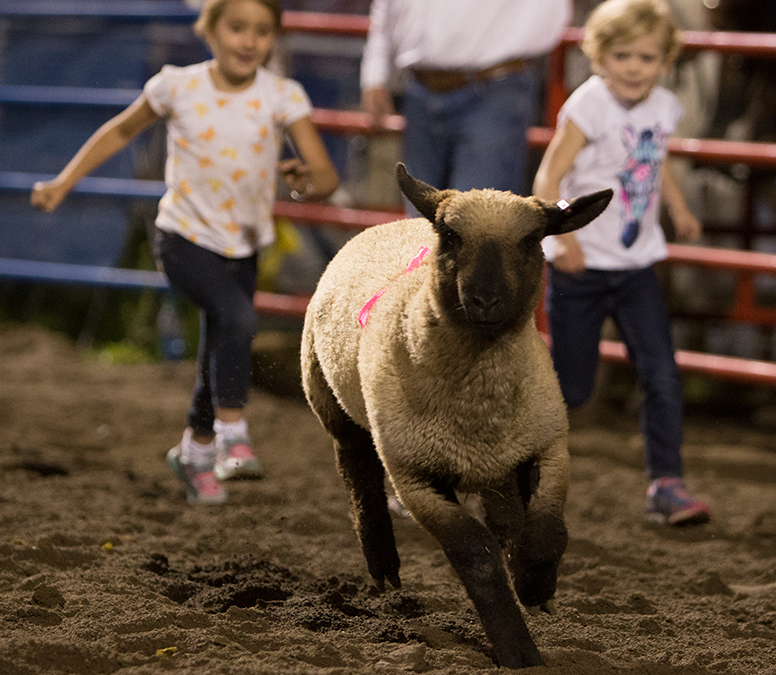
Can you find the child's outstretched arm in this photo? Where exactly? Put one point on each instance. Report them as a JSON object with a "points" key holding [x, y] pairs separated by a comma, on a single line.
{"points": [[557, 160], [312, 175], [687, 226], [109, 139]]}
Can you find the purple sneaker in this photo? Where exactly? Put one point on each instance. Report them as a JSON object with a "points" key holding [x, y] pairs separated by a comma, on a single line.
{"points": [[669, 502]]}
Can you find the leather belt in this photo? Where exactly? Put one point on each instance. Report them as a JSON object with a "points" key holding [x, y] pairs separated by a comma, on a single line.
{"points": [[447, 80]]}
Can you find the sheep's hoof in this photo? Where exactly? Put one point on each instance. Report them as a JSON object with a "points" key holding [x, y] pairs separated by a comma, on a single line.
{"points": [[548, 607], [393, 579]]}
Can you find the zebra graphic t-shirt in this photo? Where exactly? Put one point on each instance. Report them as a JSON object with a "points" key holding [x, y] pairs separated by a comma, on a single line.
{"points": [[625, 151]]}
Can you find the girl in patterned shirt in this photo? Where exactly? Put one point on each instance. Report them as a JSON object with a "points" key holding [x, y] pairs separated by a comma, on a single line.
{"points": [[225, 121], [612, 133]]}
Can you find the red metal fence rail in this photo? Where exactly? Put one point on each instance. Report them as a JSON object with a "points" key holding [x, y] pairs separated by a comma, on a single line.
{"points": [[704, 151], [743, 263]]}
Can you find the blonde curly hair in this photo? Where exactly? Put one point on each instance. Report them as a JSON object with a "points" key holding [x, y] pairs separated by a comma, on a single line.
{"points": [[616, 22]]}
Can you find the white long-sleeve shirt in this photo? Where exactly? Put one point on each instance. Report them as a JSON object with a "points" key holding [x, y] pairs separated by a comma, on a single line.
{"points": [[457, 34]]}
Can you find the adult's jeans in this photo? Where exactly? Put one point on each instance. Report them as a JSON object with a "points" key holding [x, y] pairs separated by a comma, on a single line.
{"points": [[471, 137], [223, 290], [577, 305]]}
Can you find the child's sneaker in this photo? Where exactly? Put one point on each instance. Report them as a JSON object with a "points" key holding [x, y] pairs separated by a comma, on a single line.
{"points": [[235, 458], [200, 481], [670, 502]]}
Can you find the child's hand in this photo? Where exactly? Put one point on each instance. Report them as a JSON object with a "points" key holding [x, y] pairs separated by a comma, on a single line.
{"points": [[47, 196], [297, 176], [568, 255], [687, 226]]}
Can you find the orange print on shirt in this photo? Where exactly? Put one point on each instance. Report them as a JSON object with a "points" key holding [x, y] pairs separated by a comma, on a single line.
{"points": [[185, 187], [208, 135], [201, 109], [173, 92], [215, 184], [192, 84], [254, 104], [237, 174], [231, 227], [257, 148], [205, 162], [228, 204], [263, 132], [221, 102], [182, 142], [231, 153]]}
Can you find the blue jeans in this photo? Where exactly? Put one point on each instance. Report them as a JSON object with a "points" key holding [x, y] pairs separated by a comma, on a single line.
{"points": [[577, 305], [223, 290], [472, 137]]}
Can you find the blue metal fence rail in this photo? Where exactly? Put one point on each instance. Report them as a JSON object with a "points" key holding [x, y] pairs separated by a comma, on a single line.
{"points": [[115, 10]]}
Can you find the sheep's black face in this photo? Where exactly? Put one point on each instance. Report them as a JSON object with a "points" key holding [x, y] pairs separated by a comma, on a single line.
{"points": [[489, 258], [488, 280], [484, 293]]}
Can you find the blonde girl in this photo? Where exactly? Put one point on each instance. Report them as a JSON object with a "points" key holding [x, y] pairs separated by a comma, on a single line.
{"points": [[612, 133], [225, 120]]}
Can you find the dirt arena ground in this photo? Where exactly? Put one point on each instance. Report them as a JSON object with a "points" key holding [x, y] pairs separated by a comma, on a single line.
{"points": [[104, 568]]}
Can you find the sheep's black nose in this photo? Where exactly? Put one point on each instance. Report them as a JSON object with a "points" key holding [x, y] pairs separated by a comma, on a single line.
{"points": [[484, 302], [486, 308]]}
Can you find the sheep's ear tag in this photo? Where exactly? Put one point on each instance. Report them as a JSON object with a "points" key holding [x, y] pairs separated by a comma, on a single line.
{"points": [[566, 216]]}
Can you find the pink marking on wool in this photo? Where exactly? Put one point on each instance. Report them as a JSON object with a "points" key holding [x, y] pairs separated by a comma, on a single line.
{"points": [[422, 253], [363, 315]]}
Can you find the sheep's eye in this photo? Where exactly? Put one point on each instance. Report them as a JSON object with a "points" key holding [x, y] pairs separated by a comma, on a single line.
{"points": [[449, 237]]}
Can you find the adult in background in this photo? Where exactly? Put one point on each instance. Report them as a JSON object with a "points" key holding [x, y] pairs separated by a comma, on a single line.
{"points": [[470, 83]]}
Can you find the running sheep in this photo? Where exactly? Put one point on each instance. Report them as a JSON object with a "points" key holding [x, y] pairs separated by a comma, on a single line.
{"points": [[421, 358]]}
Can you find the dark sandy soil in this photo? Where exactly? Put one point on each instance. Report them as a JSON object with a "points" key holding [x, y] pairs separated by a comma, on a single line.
{"points": [[104, 568]]}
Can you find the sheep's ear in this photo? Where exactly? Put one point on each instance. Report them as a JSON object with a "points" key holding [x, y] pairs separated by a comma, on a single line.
{"points": [[422, 196], [566, 217]]}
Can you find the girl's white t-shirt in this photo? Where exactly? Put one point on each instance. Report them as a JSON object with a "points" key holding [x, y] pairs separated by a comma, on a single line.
{"points": [[625, 151], [222, 153]]}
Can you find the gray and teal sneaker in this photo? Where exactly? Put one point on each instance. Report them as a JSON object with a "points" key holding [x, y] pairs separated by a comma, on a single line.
{"points": [[200, 482], [235, 458]]}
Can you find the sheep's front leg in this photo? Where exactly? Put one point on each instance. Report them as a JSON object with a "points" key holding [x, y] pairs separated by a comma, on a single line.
{"points": [[476, 556], [525, 513], [364, 477], [361, 470]]}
